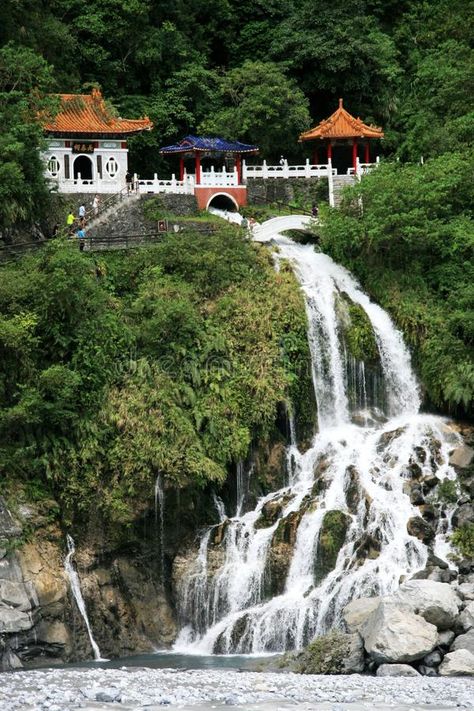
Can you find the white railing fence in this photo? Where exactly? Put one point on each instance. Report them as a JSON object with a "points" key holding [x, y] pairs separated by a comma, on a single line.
{"points": [[83, 185], [285, 170], [183, 187]]}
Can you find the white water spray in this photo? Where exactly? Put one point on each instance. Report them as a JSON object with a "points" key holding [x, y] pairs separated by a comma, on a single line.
{"points": [[264, 579], [76, 591]]}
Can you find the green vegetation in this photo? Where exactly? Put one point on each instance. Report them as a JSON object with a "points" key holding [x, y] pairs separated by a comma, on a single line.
{"points": [[117, 366], [412, 248], [447, 491], [463, 540], [331, 539]]}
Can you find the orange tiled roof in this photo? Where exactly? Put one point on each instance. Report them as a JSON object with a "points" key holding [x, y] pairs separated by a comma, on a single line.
{"points": [[342, 125], [88, 113]]}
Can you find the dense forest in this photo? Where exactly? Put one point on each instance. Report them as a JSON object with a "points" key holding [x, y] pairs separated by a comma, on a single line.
{"points": [[258, 71], [86, 345]]}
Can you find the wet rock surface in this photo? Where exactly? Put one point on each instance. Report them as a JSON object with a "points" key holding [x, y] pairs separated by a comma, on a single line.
{"points": [[152, 689]]}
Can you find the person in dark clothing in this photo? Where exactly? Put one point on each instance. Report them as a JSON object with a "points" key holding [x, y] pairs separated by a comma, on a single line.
{"points": [[315, 210]]}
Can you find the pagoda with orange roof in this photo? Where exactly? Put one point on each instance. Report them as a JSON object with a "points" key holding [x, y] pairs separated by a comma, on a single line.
{"points": [[87, 144], [342, 129]]}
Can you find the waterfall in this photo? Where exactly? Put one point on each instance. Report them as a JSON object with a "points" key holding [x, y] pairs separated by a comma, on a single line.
{"points": [[220, 507], [76, 591], [160, 514], [272, 578]]}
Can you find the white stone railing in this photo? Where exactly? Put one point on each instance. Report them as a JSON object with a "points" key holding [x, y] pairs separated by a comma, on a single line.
{"points": [[219, 178], [81, 185], [180, 187], [284, 170]]}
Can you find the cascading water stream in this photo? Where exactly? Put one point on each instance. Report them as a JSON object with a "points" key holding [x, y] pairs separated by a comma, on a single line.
{"points": [[272, 578], [160, 519], [76, 591]]}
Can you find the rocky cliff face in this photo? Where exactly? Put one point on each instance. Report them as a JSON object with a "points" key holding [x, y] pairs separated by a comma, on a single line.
{"points": [[39, 618]]}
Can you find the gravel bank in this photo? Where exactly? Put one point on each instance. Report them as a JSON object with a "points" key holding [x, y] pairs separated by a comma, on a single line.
{"points": [[200, 690]]}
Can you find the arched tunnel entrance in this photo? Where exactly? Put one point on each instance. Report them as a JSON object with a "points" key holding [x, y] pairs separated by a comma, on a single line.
{"points": [[222, 201]]}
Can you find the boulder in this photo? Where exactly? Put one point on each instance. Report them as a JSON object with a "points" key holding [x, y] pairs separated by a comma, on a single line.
{"points": [[463, 516], [462, 457], [458, 663], [419, 528], [357, 611], [334, 653], [465, 621], [433, 659], [396, 670], [466, 591], [436, 602], [14, 620], [393, 633], [464, 641], [14, 595]]}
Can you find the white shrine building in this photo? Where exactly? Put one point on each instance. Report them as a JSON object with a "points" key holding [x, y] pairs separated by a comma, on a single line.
{"points": [[87, 145]]}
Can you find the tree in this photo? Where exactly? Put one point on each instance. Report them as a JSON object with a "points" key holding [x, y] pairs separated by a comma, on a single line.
{"points": [[24, 80], [261, 105]]}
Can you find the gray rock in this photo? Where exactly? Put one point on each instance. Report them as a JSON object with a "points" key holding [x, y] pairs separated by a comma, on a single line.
{"points": [[10, 661], [396, 670], [464, 641], [14, 620], [433, 659], [427, 671], [458, 663], [436, 602], [102, 694], [14, 594], [109, 695], [445, 638], [466, 591], [357, 611], [465, 621], [462, 457], [393, 633], [463, 515]]}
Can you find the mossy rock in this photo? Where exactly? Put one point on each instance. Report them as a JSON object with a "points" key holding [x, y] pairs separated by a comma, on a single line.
{"points": [[331, 539], [326, 655], [357, 331]]}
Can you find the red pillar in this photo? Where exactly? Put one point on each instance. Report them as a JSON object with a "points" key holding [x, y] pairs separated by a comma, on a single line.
{"points": [[238, 165], [329, 151], [315, 157], [198, 168], [367, 153], [354, 154], [181, 168]]}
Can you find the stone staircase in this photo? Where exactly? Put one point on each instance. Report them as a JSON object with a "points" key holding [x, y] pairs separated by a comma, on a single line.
{"points": [[339, 183], [105, 216]]}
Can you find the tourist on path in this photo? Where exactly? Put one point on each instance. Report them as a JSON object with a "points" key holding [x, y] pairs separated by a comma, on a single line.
{"points": [[82, 215], [70, 219], [95, 205], [81, 235]]}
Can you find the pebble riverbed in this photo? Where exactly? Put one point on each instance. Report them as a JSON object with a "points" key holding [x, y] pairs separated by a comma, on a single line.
{"points": [[143, 689]]}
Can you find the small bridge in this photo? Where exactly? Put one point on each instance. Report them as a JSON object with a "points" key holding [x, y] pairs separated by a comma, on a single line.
{"points": [[269, 229]]}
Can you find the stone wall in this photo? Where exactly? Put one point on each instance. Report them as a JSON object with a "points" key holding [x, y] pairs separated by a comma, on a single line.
{"points": [[304, 191]]}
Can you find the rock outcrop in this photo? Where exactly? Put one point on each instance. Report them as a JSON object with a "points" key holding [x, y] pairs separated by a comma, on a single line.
{"points": [[394, 634], [436, 602]]}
